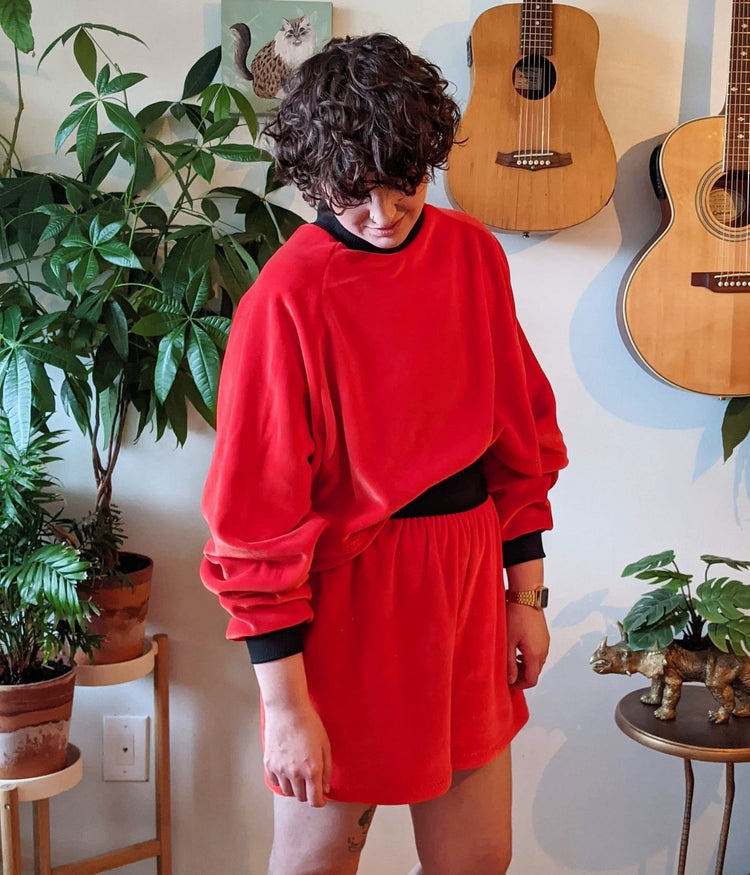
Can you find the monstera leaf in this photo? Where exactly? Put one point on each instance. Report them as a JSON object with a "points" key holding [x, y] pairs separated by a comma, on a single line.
{"points": [[656, 619]]}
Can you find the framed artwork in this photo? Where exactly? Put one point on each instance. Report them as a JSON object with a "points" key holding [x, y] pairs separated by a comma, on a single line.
{"points": [[264, 41]]}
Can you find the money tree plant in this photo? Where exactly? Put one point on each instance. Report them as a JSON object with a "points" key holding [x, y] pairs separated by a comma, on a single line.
{"points": [[123, 275], [676, 609]]}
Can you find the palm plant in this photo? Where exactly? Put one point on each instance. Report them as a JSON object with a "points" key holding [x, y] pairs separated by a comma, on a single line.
{"points": [[41, 616], [129, 298]]}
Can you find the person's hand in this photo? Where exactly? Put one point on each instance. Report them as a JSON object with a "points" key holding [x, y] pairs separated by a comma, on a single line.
{"points": [[297, 755], [528, 645]]}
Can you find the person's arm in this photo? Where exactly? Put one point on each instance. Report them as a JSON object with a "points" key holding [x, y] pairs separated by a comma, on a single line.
{"points": [[528, 636], [297, 753]]}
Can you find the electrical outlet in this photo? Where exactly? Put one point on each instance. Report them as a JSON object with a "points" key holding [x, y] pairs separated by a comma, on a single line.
{"points": [[125, 748]]}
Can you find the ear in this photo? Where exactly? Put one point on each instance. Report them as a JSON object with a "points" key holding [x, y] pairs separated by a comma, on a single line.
{"points": [[286, 22], [305, 20]]}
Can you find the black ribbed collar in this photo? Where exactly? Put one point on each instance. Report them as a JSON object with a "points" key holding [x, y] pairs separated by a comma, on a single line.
{"points": [[328, 222]]}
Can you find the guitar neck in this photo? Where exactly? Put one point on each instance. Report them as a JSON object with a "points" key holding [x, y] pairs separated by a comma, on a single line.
{"points": [[536, 27], [737, 124]]}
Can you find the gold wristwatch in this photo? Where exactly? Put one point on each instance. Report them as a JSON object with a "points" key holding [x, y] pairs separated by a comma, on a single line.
{"points": [[532, 598]]}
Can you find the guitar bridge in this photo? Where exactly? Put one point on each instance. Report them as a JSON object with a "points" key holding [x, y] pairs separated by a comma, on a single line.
{"points": [[529, 160], [722, 282]]}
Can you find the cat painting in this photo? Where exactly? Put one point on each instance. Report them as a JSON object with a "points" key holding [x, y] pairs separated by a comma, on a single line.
{"points": [[272, 65]]}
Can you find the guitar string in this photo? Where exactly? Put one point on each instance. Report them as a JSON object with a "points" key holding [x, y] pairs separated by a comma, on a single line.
{"points": [[723, 260], [523, 101], [521, 106]]}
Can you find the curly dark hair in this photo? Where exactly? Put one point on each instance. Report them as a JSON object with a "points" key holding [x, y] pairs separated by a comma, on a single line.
{"points": [[362, 112]]}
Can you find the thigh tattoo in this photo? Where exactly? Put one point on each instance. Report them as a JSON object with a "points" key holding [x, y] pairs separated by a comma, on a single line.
{"points": [[357, 842]]}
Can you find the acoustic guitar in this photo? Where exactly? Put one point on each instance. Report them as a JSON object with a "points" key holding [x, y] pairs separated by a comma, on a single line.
{"points": [[537, 156], [685, 307]]}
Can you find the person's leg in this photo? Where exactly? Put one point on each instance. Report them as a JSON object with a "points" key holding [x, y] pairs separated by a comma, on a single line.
{"points": [[318, 841], [468, 829]]}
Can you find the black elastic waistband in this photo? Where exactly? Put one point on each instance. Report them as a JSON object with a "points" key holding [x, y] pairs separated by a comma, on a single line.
{"points": [[461, 491]]}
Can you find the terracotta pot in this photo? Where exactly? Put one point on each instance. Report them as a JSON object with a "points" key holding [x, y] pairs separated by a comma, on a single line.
{"points": [[34, 723], [122, 611]]}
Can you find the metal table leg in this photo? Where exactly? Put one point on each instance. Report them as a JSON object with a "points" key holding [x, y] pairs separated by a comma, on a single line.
{"points": [[728, 802], [689, 784]]}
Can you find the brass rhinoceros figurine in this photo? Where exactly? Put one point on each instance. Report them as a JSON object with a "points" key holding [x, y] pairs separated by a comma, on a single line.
{"points": [[726, 675]]}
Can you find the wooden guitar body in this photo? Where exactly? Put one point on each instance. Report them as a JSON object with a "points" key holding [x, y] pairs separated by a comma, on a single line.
{"points": [[686, 305], [499, 120]]}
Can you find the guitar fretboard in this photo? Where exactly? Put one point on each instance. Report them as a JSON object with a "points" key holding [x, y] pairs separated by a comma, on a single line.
{"points": [[737, 124], [536, 27]]}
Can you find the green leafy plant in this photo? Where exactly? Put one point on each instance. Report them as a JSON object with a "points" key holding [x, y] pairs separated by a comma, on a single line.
{"points": [[716, 610], [123, 277], [41, 616], [735, 425]]}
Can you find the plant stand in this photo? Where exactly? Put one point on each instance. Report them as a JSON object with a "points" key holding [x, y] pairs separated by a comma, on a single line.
{"points": [[39, 790], [692, 737]]}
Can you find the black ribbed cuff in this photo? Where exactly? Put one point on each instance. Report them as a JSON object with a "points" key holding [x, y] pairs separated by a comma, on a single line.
{"points": [[275, 645], [524, 548]]}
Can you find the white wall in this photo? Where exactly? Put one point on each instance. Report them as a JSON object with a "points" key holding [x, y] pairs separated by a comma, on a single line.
{"points": [[646, 474]]}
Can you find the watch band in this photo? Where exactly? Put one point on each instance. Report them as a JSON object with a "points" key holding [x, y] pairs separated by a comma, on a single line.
{"points": [[532, 598]]}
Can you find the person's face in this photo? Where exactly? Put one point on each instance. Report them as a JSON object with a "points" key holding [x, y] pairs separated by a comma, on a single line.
{"points": [[386, 217]]}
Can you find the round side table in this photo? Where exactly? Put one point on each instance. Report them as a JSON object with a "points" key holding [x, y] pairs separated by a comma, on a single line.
{"points": [[693, 737]]}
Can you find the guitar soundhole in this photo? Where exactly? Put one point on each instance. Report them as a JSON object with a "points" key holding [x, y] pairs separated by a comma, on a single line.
{"points": [[728, 199], [534, 77]]}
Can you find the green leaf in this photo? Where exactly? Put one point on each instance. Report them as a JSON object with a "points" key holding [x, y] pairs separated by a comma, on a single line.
{"points": [[158, 324], [122, 83], [217, 328], [15, 20], [119, 253], [169, 358], [57, 356], [239, 152], [85, 272], [102, 235], [69, 124], [17, 400], [672, 579], [207, 97], [102, 80], [735, 426], [736, 564], [202, 72], [117, 326], [86, 137], [656, 619], [246, 110], [204, 363], [219, 130], [108, 366], [657, 560], [286, 221], [123, 120], [154, 217], [149, 114], [204, 165], [210, 209], [84, 51], [64, 37], [222, 104]]}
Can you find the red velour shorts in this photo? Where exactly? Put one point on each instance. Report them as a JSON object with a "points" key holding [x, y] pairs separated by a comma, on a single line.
{"points": [[406, 658]]}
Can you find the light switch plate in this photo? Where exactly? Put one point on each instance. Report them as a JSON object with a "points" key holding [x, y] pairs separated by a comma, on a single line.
{"points": [[125, 750]]}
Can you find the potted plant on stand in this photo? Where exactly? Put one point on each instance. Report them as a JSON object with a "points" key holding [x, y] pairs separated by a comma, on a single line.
{"points": [[674, 634], [144, 290], [41, 617]]}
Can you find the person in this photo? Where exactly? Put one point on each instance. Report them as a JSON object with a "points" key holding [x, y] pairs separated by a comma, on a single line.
{"points": [[385, 440]]}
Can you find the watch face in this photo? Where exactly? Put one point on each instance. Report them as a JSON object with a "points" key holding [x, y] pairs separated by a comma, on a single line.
{"points": [[543, 597]]}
